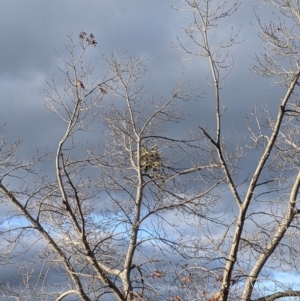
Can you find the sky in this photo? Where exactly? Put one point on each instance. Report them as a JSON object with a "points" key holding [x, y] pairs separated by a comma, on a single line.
{"points": [[34, 32]]}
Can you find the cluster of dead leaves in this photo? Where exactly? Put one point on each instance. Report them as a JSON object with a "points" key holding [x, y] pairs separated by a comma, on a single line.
{"points": [[157, 274], [186, 279], [136, 296], [160, 274], [81, 85], [102, 90], [215, 297], [176, 298], [90, 38]]}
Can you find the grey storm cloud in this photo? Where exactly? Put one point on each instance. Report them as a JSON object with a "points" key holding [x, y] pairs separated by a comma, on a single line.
{"points": [[34, 32]]}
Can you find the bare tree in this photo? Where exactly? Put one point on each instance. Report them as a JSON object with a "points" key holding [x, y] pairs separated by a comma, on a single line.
{"points": [[136, 212], [261, 236], [107, 223]]}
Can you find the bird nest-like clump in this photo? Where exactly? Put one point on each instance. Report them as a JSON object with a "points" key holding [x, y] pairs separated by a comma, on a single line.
{"points": [[150, 159]]}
